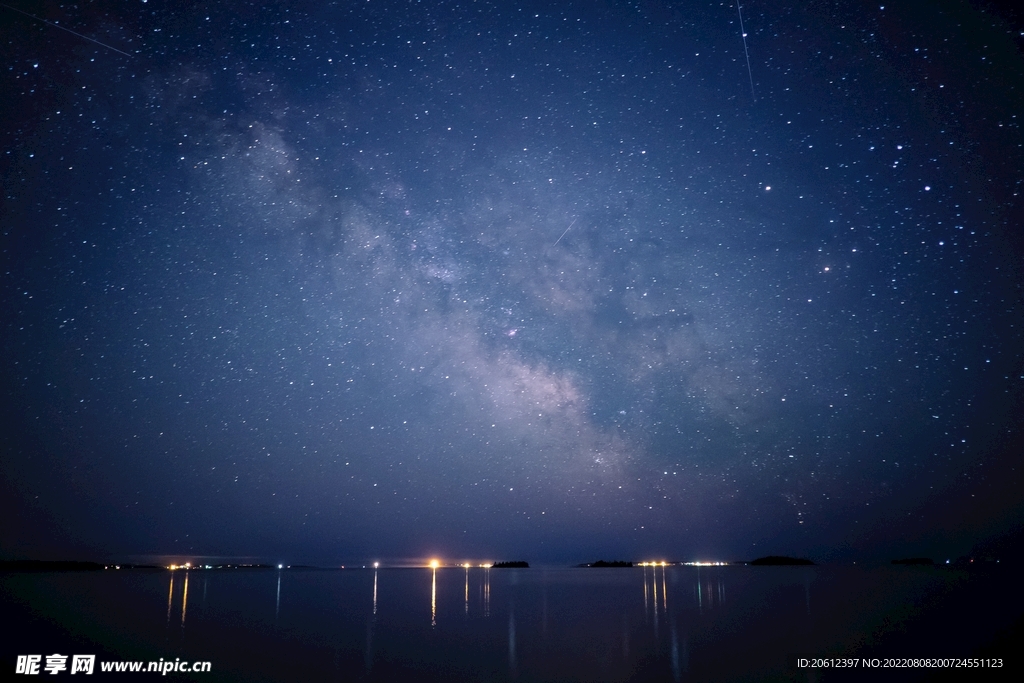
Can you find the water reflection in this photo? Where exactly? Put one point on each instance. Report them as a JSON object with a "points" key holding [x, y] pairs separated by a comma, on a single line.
{"points": [[654, 594], [170, 599], [664, 589], [652, 597], [475, 581], [531, 612], [277, 605], [170, 603], [654, 584], [487, 591], [646, 607], [371, 624], [433, 597], [184, 601], [709, 591], [557, 624]]}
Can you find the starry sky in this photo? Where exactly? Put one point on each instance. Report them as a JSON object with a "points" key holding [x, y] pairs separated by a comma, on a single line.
{"points": [[339, 281]]}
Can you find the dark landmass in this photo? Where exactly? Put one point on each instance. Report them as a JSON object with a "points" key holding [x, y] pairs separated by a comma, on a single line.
{"points": [[1008, 547], [48, 566], [77, 566], [915, 560], [518, 564], [985, 562], [602, 563], [777, 560]]}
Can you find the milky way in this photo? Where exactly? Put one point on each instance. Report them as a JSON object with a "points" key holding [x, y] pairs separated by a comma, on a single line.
{"points": [[334, 282]]}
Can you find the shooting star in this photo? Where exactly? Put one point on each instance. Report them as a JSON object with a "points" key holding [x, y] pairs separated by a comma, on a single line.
{"points": [[91, 40], [746, 54], [563, 234]]}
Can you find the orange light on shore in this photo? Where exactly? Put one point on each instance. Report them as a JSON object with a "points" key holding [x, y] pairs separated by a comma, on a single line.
{"points": [[434, 564]]}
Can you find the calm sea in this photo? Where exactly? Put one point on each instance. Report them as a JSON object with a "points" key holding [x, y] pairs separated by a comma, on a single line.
{"points": [[452, 624]]}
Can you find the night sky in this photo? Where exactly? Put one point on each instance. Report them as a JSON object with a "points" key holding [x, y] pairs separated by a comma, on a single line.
{"points": [[336, 282]]}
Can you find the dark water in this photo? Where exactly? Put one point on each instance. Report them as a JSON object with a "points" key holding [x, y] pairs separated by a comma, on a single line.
{"points": [[453, 624]]}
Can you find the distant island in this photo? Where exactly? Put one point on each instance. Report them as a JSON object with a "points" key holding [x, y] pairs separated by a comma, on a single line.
{"points": [[48, 566], [518, 564], [915, 560], [778, 560], [602, 563], [79, 566], [64, 566]]}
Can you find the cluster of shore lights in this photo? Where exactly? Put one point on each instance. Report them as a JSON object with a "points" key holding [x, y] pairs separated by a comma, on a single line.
{"points": [[435, 564], [187, 565], [688, 564]]}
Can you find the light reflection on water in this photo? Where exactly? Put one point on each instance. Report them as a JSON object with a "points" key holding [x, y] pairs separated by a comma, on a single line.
{"points": [[170, 599], [184, 601], [650, 623], [433, 597], [277, 604], [184, 598], [710, 590]]}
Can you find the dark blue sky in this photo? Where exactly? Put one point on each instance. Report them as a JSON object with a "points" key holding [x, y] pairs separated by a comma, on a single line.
{"points": [[331, 282]]}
